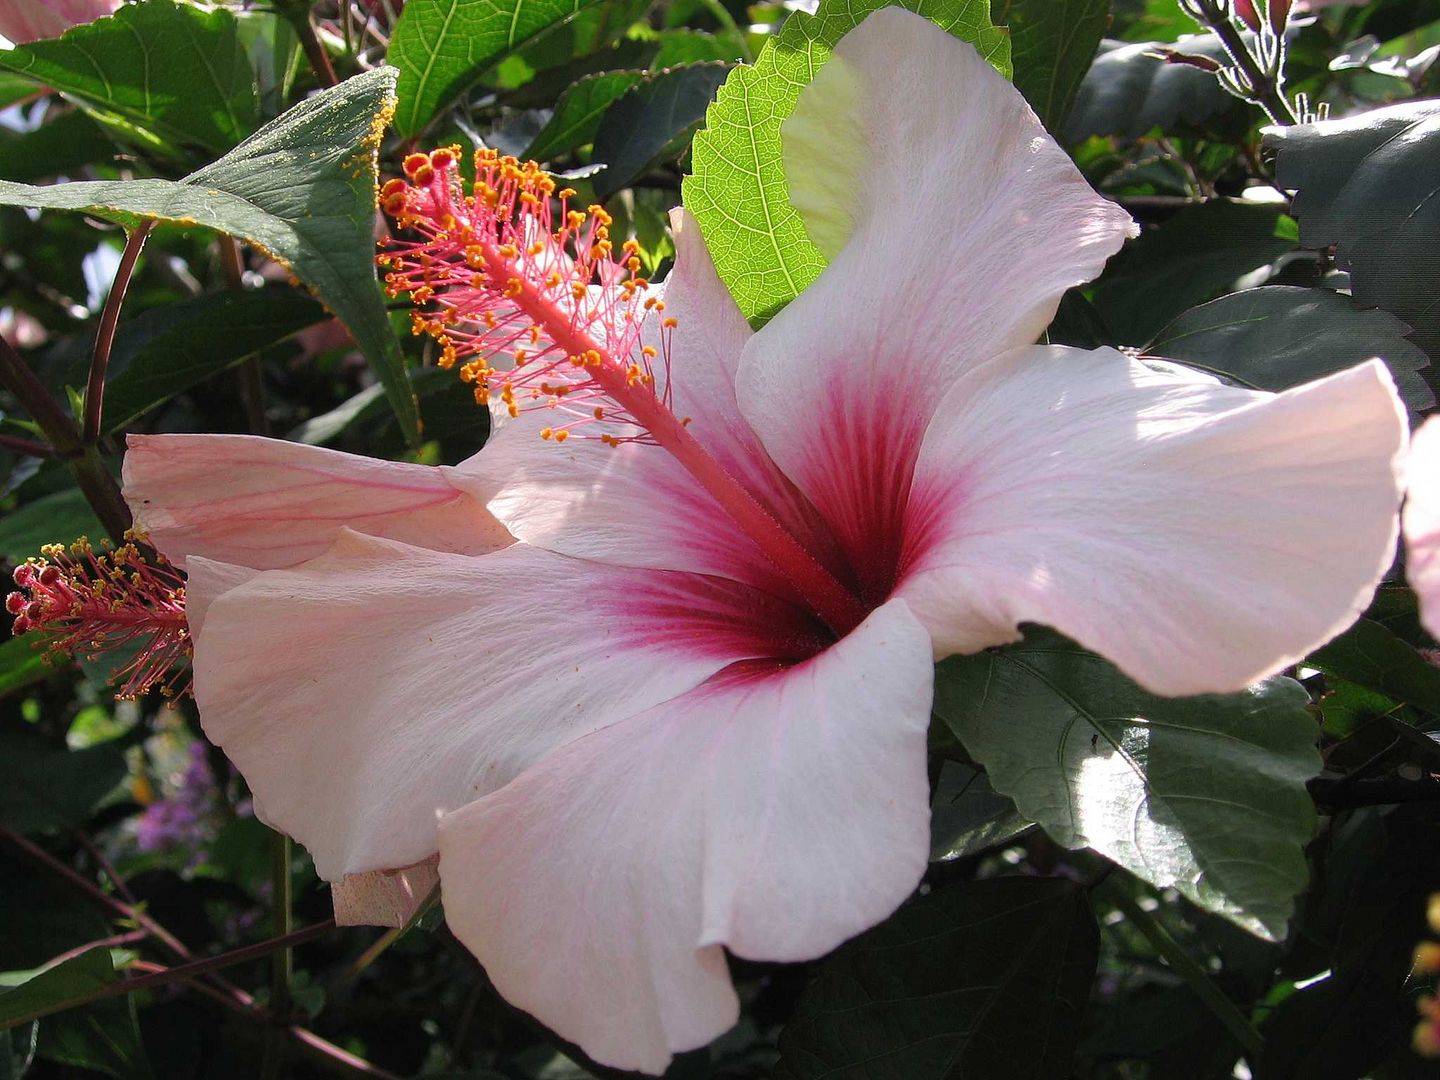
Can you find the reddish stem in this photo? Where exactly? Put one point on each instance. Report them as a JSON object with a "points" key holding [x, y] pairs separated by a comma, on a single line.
{"points": [[105, 335]]}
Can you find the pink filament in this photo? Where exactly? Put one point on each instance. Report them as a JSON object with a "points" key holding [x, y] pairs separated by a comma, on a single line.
{"points": [[92, 603]]}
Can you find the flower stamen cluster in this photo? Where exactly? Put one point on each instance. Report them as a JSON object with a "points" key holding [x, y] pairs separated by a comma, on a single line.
{"points": [[90, 603], [524, 295]]}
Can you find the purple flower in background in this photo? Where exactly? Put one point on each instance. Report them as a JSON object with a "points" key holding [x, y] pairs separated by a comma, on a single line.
{"points": [[181, 819]]}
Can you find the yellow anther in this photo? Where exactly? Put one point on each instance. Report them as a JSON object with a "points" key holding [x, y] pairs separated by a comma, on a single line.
{"points": [[546, 433], [599, 412], [670, 323], [537, 248], [561, 435], [648, 351], [513, 288]]}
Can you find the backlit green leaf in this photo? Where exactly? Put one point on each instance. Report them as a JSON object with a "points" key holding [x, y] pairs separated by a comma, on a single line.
{"points": [[737, 189], [442, 46]]}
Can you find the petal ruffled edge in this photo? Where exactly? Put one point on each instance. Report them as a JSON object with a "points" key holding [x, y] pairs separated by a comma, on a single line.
{"points": [[1200, 536], [775, 812], [269, 504]]}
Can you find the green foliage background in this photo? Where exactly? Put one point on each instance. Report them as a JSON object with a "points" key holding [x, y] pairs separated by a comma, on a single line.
{"points": [[1249, 878]]}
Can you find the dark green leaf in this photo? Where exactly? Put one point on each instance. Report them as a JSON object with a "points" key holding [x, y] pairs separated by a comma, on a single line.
{"points": [[1203, 794], [51, 519], [14, 88], [967, 816], [737, 189], [21, 663], [165, 351], [443, 46], [578, 113], [648, 118], [1372, 656], [1052, 43], [103, 1036], [987, 979], [45, 787], [1379, 871], [1129, 89], [303, 190], [1279, 336], [1199, 252], [1368, 185], [173, 70]]}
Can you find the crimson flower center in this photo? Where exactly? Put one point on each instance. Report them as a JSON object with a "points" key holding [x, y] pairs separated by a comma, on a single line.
{"points": [[511, 269]]}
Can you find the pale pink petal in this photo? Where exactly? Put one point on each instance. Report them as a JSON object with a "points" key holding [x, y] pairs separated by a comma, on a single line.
{"points": [[969, 224], [1422, 523], [367, 691], [1198, 535], [269, 504], [775, 812], [23, 21], [384, 897], [633, 504]]}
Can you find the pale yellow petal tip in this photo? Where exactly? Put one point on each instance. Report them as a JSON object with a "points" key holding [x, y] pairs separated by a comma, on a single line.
{"points": [[824, 147]]}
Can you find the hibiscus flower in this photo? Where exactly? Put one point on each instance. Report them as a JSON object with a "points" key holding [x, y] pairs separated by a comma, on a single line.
{"points": [[685, 710]]}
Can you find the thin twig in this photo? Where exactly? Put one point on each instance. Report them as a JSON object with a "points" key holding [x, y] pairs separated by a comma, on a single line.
{"points": [[93, 850], [298, 13], [1265, 85], [91, 475], [282, 962], [19, 445], [252, 378], [317, 1051], [105, 335], [125, 911], [179, 973]]}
